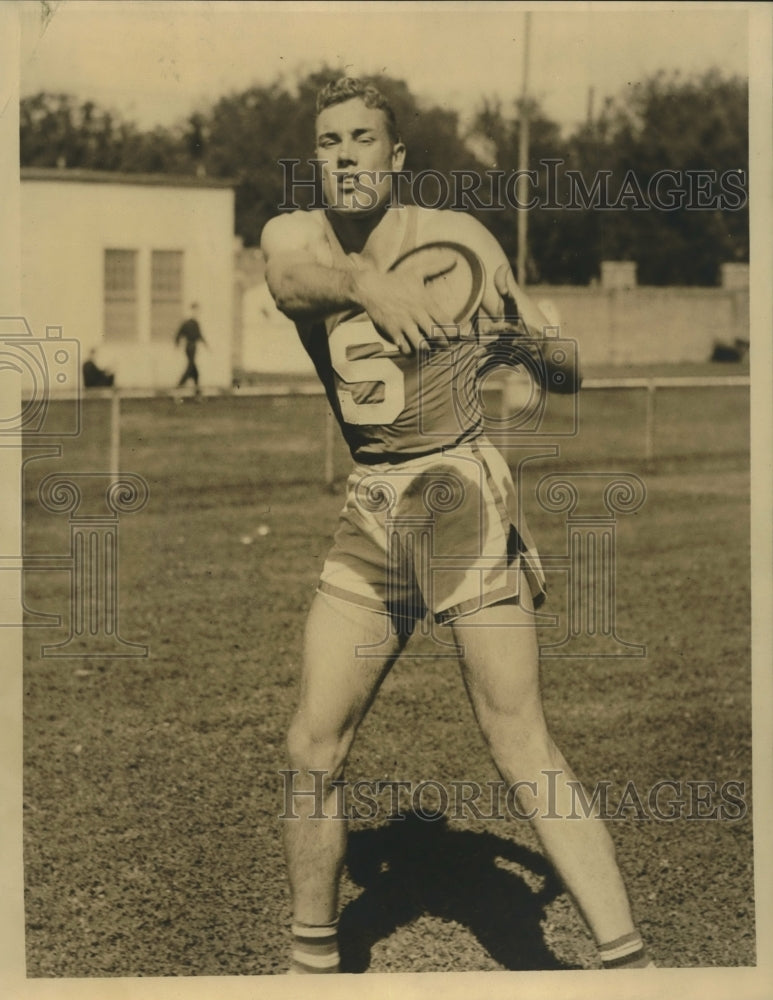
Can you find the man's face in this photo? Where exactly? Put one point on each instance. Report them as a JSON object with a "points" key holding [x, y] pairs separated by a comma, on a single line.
{"points": [[354, 144]]}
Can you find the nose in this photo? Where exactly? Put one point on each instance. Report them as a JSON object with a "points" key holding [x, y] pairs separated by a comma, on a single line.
{"points": [[346, 154]]}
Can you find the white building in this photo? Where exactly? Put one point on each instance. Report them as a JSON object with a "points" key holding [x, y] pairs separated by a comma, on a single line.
{"points": [[115, 260]]}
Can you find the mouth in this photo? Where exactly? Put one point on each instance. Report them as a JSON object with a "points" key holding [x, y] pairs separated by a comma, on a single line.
{"points": [[355, 191]]}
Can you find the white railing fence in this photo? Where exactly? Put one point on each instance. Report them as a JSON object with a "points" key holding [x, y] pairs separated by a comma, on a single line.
{"points": [[648, 384]]}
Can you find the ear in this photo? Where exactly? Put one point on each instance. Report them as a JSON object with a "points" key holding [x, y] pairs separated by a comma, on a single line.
{"points": [[398, 156]]}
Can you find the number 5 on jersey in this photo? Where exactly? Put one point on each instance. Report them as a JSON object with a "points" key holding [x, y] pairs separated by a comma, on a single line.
{"points": [[358, 355]]}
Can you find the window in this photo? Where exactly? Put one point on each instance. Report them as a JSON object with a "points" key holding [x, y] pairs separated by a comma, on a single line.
{"points": [[166, 293], [123, 283], [120, 295]]}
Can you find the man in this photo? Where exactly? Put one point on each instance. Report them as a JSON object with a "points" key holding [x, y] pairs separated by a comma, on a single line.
{"points": [[95, 377], [376, 336], [190, 332]]}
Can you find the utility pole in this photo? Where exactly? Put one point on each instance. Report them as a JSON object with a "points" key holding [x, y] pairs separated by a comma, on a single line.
{"points": [[523, 156], [591, 97]]}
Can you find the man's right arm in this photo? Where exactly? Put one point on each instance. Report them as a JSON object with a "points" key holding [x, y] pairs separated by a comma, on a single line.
{"points": [[304, 288]]}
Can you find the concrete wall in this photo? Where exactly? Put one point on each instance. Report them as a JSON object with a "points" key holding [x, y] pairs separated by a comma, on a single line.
{"points": [[648, 325], [621, 327], [66, 227]]}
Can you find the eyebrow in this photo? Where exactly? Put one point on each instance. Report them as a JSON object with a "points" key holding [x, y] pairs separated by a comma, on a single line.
{"points": [[356, 134]]}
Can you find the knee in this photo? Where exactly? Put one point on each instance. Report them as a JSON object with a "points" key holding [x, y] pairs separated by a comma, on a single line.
{"points": [[308, 750], [520, 738]]}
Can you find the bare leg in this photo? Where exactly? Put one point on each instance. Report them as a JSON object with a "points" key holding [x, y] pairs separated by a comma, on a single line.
{"points": [[501, 672], [337, 689]]}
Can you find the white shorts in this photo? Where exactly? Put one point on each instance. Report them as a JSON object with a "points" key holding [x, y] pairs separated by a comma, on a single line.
{"points": [[439, 533]]}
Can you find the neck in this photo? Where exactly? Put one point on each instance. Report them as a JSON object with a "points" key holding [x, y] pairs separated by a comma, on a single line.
{"points": [[355, 229]]}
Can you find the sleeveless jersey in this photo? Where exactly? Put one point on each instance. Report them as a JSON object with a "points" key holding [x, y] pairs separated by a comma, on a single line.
{"points": [[391, 406]]}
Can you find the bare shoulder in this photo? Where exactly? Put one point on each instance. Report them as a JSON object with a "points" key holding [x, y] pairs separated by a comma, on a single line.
{"points": [[294, 232]]}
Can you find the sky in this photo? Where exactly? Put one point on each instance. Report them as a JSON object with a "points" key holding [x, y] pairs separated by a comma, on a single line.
{"points": [[156, 62]]}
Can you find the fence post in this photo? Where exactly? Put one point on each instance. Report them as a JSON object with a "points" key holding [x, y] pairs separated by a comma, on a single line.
{"points": [[649, 424], [115, 433]]}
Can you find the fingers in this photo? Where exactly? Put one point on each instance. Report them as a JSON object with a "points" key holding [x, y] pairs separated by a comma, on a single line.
{"points": [[504, 282], [436, 331], [421, 333], [417, 328], [405, 314], [414, 340], [406, 335], [500, 279]]}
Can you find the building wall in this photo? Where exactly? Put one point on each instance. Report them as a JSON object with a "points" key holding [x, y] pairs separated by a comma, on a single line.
{"points": [[66, 227], [270, 342]]}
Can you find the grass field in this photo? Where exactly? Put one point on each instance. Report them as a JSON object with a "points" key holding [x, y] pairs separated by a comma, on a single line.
{"points": [[152, 844]]}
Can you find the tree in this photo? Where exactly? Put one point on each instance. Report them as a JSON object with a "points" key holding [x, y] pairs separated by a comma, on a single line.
{"points": [[499, 135], [663, 123], [59, 130], [604, 201], [697, 129], [250, 135]]}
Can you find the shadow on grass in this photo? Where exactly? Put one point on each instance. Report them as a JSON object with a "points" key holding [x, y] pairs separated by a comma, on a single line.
{"points": [[412, 867]]}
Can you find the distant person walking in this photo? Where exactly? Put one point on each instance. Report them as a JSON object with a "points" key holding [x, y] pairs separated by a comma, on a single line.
{"points": [[190, 332]]}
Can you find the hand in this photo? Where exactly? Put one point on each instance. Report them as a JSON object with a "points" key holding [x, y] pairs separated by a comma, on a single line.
{"points": [[517, 308], [401, 309]]}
